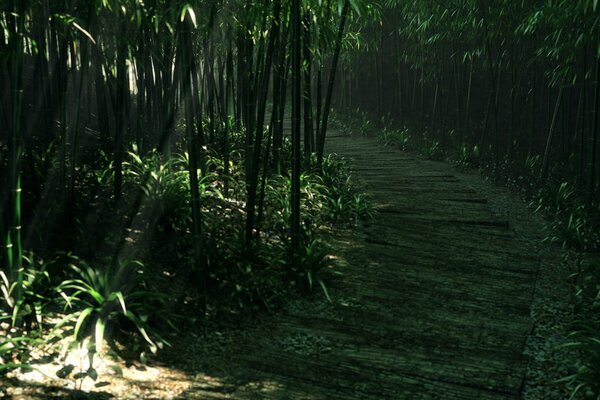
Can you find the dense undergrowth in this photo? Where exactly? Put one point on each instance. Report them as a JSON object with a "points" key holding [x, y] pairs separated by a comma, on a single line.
{"points": [[573, 219], [129, 280], [146, 184]]}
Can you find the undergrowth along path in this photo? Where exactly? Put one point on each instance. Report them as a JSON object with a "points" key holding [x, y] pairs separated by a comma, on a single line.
{"points": [[434, 302]]}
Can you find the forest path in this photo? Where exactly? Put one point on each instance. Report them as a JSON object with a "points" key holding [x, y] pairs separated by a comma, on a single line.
{"points": [[433, 304]]}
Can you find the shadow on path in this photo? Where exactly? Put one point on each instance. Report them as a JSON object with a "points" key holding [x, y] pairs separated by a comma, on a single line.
{"points": [[434, 302]]}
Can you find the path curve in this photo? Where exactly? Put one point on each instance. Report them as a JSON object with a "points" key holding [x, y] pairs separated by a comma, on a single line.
{"points": [[434, 302]]}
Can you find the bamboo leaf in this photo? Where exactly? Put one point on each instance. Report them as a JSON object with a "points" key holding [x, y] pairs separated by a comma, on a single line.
{"points": [[188, 10], [357, 6], [81, 320], [119, 296], [140, 326], [325, 290], [86, 33]]}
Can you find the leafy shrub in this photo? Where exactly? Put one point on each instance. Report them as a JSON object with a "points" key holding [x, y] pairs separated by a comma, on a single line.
{"points": [[344, 201], [109, 298], [574, 223], [575, 227], [37, 291], [164, 185], [395, 137], [586, 378], [247, 281], [563, 196], [533, 164], [469, 155], [156, 190], [434, 150], [361, 207], [277, 200], [585, 337], [313, 263]]}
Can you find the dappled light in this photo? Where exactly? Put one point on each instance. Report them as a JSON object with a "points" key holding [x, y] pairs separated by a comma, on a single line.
{"points": [[206, 199]]}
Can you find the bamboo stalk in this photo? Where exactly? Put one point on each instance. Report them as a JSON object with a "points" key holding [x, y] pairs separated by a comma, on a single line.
{"points": [[327, 105], [595, 133], [307, 62], [545, 161], [296, 113], [258, 137]]}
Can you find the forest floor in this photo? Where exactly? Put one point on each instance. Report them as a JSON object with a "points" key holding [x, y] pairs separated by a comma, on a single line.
{"points": [[447, 293]]}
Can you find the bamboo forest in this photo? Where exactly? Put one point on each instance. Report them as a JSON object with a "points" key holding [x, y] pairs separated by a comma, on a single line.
{"points": [[300, 199]]}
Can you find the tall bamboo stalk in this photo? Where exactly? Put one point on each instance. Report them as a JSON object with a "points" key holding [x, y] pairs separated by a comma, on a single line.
{"points": [[546, 159], [334, 63], [309, 139], [13, 241], [187, 70], [595, 132], [258, 136], [296, 26]]}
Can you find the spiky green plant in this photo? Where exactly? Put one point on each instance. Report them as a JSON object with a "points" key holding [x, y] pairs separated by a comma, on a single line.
{"points": [[584, 339], [37, 291], [586, 378], [314, 262], [104, 298]]}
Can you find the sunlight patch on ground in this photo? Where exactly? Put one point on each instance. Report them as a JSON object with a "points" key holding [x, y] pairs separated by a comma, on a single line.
{"points": [[64, 367], [114, 377]]}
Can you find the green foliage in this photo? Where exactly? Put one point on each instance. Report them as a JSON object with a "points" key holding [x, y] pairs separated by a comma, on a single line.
{"points": [[107, 298], [395, 137], [8, 288], [239, 278], [78, 175], [262, 275], [345, 202], [586, 380], [574, 222], [362, 207], [469, 156], [532, 164], [587, 295], [434, 150], [577, 230], [14, 353], [162, 182], [245, 282], [277, 201], [562, 29], [328, 195], [356, 121], [37, 292], [563, 196], [314, 262], [585, 337]]}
